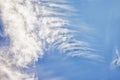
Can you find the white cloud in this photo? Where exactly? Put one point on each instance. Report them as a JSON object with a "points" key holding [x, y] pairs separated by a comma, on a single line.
{"points": [[29, 24], [116, 61]]}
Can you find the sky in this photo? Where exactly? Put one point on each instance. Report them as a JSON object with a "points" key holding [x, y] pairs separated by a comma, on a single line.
{"points": [[95, 56], [103, 16]]}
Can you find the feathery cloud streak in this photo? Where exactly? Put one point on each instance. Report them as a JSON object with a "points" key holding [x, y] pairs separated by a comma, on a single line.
{"points": [[34, 26]]}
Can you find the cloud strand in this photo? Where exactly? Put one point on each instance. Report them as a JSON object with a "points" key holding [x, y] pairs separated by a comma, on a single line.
{"points": [[31, 26]]}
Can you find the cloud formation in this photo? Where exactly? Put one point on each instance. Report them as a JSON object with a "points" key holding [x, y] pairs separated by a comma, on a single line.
{"points": [[116, 60], [34, 26]]}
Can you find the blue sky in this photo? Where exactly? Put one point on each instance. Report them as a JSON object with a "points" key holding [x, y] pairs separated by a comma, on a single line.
{"points": [[102, 18]]}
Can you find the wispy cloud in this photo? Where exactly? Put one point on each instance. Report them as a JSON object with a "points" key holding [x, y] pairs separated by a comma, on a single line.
{"points": [[116, 60], [31, 26]]}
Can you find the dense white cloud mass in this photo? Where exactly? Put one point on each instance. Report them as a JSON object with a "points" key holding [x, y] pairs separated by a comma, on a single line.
{"points": [[31, 26]]}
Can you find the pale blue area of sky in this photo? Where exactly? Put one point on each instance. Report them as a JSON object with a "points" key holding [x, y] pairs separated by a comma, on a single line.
{"points": [[104, 17]]}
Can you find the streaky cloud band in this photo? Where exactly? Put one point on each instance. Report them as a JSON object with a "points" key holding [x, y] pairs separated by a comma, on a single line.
{"points": [[31, 26]]}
